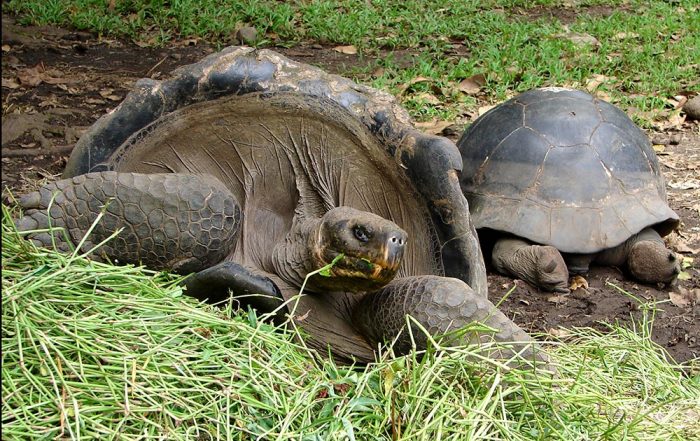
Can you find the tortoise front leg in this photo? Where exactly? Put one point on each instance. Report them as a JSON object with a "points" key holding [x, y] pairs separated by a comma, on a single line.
{"points": [[248, 287], [440, 305], [179, 222], [541, 266]]}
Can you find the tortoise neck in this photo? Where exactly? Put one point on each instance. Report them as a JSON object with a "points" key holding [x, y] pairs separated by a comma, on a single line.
{"points": [[293, 259]]}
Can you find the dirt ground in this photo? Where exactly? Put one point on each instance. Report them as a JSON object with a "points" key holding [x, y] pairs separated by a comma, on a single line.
{"points": [[57, 82]]}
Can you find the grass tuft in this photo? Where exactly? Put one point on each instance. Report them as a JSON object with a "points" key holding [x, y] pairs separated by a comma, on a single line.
{"points": [[92, 350]]}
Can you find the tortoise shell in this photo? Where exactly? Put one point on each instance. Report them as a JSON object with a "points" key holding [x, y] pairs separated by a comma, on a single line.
{"points": [[289, 141], [562, 168]]}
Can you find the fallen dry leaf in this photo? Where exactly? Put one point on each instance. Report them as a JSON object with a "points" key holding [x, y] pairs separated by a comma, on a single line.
{"points": [[579, 39], [378, 72], [577, 282], [560, 333], [681, 300], [434, 127], [559, 298], [190, 42], [348, 50], [625, 35], [603, 95], [33, 76], [659, 149], [51, 101], [30, 76], [415, 80], [595, 81], [685, 185], [680, 245], [10, 83], [472, 84], [484, 109], [677, 101], [94, 101], [676, 119], [109, 94], [6, 48], [428, 98]]}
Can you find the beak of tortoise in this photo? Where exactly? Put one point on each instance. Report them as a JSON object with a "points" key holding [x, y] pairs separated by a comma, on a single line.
{"points": [[382, 262], [394, 246]]}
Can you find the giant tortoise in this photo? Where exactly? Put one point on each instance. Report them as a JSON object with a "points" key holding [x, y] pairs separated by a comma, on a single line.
{"points": [[556, 178], [252, 171]]}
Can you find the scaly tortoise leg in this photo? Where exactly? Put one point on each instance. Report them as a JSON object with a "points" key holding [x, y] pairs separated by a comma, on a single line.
{"points": [[179, 222], [440, 305], [541, 266], [646, 256]]}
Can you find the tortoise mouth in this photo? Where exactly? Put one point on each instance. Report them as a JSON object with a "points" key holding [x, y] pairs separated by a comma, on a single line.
{"points": [[378, 269]]}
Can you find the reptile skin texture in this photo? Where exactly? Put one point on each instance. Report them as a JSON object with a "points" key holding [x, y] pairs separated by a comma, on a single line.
{"points": [[179, 222], [440, 305]]}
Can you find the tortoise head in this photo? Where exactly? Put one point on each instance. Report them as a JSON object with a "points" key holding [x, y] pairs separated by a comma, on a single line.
{"points": [[372, 249], [650, 261]]}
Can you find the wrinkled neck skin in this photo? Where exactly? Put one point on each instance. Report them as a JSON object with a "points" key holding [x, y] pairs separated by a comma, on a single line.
{"points": [[617, 256], [293, 259]]}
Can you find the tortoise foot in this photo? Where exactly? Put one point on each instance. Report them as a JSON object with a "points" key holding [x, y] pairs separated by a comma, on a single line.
{"points": [[164, 221], [541, 266], [230, 280], [441, 305]]}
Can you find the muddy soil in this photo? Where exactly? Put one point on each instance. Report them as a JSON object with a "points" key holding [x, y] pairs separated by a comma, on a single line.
{"points": [[57, 82]]}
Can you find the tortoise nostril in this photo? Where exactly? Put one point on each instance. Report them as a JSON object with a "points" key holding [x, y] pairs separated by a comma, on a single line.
{"points": [[397, 241]]}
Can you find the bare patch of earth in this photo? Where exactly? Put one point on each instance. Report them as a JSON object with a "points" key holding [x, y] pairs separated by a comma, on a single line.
{"points": [[56, 83]]}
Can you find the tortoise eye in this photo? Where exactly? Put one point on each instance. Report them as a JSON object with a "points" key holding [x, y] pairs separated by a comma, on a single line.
{"points": [[361, 233], [671, 257]]}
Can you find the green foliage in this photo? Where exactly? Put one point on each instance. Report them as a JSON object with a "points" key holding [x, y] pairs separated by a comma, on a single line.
{"points": [[647, 52], [92, 350]]}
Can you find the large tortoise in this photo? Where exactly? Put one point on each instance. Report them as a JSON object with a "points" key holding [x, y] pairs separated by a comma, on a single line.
{"points": [[252, 170], [556, 178]]}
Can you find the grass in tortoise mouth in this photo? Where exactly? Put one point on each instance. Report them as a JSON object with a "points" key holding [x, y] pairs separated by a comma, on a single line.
{"points": [[353, 266]]}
